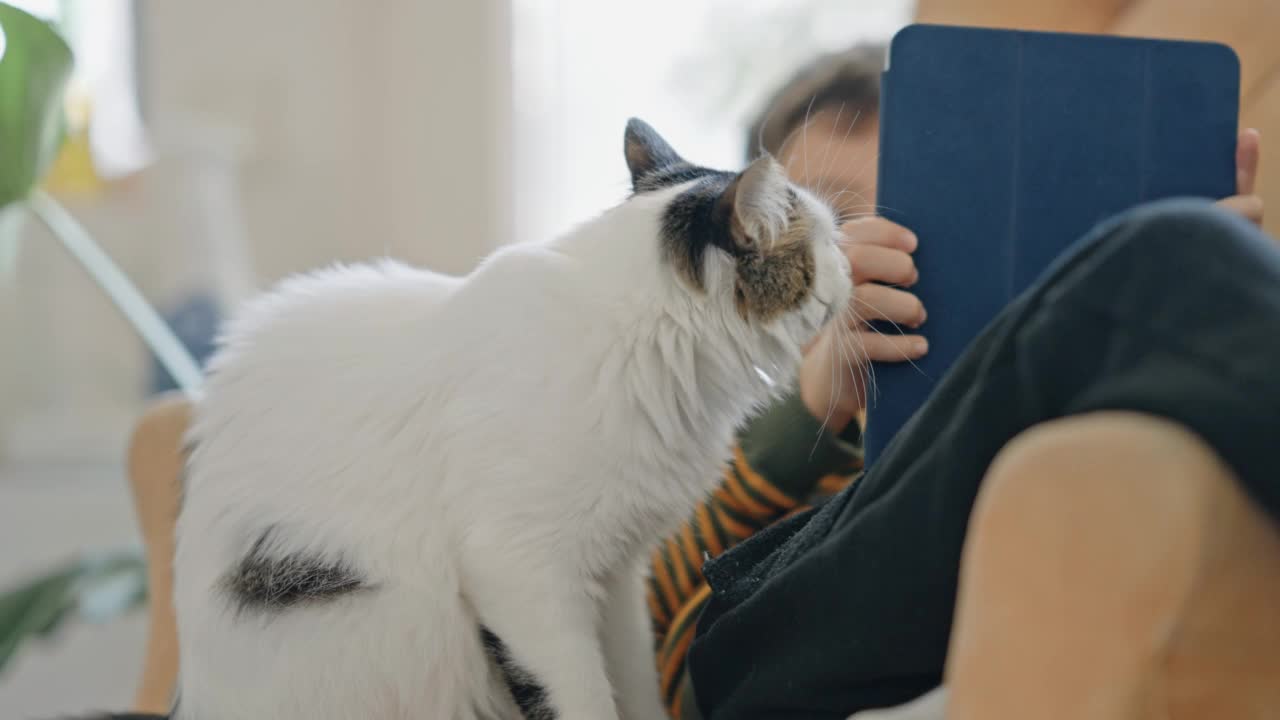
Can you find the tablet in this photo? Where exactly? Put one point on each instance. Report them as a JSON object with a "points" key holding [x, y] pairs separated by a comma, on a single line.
{"points": [[1000, 148]]}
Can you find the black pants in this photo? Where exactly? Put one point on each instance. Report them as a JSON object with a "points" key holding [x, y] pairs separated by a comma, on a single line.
{"points": [[1171, 310]]}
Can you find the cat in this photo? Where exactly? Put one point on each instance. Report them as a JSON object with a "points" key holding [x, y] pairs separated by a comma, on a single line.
{"points": [[408, 493]]}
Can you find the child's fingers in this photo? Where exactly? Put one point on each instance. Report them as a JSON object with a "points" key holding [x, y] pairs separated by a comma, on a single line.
{"points": [[1250, 206], [877, 302], [879, 231], [875, 263], [1248, 151], [892, 348]]}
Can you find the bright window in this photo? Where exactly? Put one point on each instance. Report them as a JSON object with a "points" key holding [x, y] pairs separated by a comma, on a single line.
{"points": [[104, 84], [696, 70]]}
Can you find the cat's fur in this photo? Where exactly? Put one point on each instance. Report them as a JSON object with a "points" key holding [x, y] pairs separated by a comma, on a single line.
{"points": [[388, 462]]}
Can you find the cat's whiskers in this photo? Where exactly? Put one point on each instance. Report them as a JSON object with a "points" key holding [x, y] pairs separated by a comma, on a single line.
{"points": [[855, 214], [823, 176], [826, 155], [845, 350], [896, 326], [833, 390], [871, 387], [874, 161], [847, 364], [804, 139], [833, 395], [860, 196], [847, 191]]}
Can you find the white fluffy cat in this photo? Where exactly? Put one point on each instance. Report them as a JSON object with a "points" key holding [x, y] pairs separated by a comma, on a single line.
{"points": [[389, 464]]}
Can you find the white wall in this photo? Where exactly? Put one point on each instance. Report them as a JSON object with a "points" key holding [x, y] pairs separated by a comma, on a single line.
{"points": [[363, 128], [377, 126], [347, 130]]}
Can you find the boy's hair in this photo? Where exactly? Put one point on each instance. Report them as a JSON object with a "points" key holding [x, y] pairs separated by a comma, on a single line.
{"points": [[850, 79]]}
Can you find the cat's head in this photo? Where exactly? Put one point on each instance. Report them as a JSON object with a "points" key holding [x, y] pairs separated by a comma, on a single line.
{"points": [[763, 249]]}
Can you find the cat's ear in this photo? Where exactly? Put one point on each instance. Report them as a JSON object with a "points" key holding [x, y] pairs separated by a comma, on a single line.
{"points": [[646, 151], [761, 197]]}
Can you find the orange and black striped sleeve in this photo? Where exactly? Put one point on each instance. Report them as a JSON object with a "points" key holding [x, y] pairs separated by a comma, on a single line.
{"points": [[743, 503], [784, 459]]}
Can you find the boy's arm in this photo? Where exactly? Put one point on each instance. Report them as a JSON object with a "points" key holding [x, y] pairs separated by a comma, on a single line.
{"points": [[784, 459]]}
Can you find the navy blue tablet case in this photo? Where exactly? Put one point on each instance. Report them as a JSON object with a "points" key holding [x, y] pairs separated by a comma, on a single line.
{"points": [[1000, 148]]}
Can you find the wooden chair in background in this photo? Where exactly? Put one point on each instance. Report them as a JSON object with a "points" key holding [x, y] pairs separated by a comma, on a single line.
{"points": [[155, 462]]}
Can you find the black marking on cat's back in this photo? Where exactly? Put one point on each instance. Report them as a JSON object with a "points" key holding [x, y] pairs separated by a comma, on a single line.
{"points": [[525, 690], [267, 580]]}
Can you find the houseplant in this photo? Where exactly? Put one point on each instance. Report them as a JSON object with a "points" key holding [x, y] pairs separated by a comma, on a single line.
{"points": [[35, 64]]}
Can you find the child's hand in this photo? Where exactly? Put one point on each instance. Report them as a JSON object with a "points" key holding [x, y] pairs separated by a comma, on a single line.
{"points": [[833, 374], [1245, 202]]}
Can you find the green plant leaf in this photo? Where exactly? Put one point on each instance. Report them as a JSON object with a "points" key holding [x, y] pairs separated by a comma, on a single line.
{"points": [[36, 608], [33, 73], [96, 588]]}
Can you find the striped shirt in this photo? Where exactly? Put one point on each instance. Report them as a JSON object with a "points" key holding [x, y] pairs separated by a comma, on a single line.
{"points": [[784, 459]]}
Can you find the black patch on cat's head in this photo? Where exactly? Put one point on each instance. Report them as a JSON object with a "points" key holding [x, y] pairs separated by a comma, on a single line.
{"points": [[267, 580], [740, 214], [723, 211], [529, 695], [695, 221]]}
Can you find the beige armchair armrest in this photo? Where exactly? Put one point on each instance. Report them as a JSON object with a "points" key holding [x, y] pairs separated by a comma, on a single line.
{"points": [[155, 463]]}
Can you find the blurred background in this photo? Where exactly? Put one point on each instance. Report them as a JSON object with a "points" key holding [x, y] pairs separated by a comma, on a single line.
{"points": [[217, 146]]}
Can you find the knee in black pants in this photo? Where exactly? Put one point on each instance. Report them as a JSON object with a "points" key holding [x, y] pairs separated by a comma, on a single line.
{"points": [[1186, 232], [1172, 266]]}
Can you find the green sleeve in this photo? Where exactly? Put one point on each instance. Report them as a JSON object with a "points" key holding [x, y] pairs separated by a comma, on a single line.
{"points": [[791, 449]]}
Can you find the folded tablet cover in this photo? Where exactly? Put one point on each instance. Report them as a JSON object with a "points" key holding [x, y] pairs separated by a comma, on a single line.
{"points": [[1000, 148]]}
